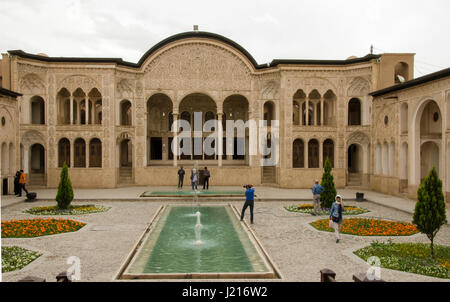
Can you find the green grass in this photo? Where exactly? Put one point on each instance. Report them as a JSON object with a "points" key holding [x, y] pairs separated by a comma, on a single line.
{"points": [[410, 257], [72, 210], [15, 258]]}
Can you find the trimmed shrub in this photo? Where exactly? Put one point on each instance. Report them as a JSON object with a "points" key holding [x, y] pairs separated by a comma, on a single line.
{"points": [[328, 196], [65, 192], [429, 213]]}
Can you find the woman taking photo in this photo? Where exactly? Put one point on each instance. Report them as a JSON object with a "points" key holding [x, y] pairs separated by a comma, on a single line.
{"points": [[336, 216]]}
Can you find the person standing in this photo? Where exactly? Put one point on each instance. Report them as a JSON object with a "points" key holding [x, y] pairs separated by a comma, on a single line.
{"points": [[22, 182], [194, 179], [180, 177], [207, 175], [336, 216], [249, 202], [317, 190], [16, 183]]}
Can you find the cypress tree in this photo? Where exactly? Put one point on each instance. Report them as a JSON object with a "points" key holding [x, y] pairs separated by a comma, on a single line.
{"points": [[65, 192], [328, 196], [429, 213]]}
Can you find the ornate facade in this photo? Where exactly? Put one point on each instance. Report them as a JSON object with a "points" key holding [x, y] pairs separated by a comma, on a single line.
{"points": [[109, 120]]}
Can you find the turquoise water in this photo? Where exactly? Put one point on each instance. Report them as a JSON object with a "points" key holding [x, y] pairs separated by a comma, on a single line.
{"points": [[171, 247], [191, 193]]}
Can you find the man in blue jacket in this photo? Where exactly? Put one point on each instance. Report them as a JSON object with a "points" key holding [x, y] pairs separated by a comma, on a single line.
{"points": [[317, 190], [249, 202]]}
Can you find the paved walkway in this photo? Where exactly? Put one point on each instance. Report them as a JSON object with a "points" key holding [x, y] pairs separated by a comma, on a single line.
{"points": [[263, 194], [297, 249]]}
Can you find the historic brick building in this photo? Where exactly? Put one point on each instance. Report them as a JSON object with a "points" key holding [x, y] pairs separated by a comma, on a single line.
{"points": [[109, 119]]}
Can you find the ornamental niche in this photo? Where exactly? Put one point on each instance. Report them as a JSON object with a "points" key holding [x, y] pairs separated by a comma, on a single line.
{"points": [[197, 66], [358, 87], [32, 84]]}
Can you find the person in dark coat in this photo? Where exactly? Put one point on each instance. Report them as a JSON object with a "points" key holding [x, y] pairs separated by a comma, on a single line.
{"points": [[207, 175], [16, 183]]}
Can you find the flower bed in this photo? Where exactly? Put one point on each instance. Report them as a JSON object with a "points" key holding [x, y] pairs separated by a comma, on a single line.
{"points": [[15, 258], [369, 227], [410, 257], [72, 210], [309, 209], [38, 227]]}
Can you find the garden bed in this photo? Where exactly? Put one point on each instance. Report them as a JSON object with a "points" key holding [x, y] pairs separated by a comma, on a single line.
{"points": [[15, 258], [72, 210], [410, 257], [309, 209], [369, 227], [27, 228]]}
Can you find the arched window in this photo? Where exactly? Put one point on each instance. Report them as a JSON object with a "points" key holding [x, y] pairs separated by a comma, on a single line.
{"points": [[298, 157], [170, 121], [404, 118], [269, 113], [209, 116], [95, 153], [63, 100], [295, 113], [328, 151], [12, 160], [125, 113], [98, 112], [354, 112], [186, 116], [80, 153], [378, 167], [313, 154], [37, 110], [391, 159], [63, 152], [4, 168]]}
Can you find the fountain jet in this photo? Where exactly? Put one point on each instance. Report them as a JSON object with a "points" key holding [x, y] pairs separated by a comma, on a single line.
{"points": [[198, 230]]}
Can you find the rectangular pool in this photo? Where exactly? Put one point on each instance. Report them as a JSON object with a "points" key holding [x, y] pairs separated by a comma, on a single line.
{"points": [[228, 250]]}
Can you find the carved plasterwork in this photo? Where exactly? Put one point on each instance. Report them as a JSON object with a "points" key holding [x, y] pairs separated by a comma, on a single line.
{"points": [[32, 84], [358, 138], [358, 87], [197, 66], [124, 88], [79, 81], [270, 91]]}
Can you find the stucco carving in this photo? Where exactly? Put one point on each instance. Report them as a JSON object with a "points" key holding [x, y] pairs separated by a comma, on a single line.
{"points": [[32, 84], [197, 66], [358, 87]]}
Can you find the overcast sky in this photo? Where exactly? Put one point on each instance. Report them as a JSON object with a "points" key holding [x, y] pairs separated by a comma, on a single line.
{"points": [[268, 30]]}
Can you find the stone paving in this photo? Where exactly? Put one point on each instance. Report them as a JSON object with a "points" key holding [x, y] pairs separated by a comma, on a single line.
{"points": [[298, 250]]}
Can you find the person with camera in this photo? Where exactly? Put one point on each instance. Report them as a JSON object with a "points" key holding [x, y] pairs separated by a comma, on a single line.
{"points": [[335, 218], [249, 201], [194, 179], [317, 190]]}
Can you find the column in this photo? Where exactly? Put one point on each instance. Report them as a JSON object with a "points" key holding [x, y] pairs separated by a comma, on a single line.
{"points": [[219, 138], [71, 109], [72, 156], [87, 154], [175, 140], [26, 159], [307, 111], [306, 149], [315, 113], [320, 154], [322, 121], [300, 118], [78, 112], [87, 110]]}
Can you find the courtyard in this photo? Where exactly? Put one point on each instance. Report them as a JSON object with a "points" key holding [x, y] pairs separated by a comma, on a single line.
{"points": [[297, 250]]}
